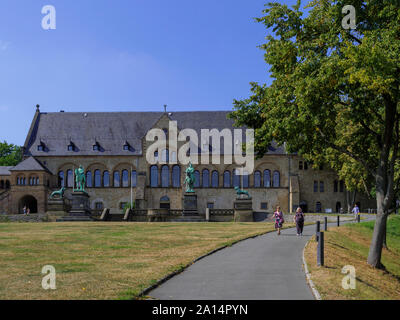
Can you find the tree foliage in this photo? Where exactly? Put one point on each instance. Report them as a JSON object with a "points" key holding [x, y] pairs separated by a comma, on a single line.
{"points": [[10, 154], [334, 97]]}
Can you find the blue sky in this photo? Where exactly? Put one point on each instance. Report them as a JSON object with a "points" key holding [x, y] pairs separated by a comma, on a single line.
{"points": [[126, 55]]}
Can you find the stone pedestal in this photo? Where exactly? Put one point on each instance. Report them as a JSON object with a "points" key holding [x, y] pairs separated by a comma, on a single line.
{"points": [[56, 207], [243, 210], [80, 205], [190, 204]]}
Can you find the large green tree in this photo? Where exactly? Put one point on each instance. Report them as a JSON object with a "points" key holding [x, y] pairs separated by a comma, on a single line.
{"points": [[335, 92], [10, 154]]}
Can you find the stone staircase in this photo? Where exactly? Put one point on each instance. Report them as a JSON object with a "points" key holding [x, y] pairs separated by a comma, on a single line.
{"points": [[74, 218], [189, 219]]}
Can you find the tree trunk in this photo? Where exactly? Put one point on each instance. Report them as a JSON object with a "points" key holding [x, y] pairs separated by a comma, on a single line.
{"points": [[375, 250]]}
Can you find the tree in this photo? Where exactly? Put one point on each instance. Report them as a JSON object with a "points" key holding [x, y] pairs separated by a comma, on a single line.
{"points": [[10, 154], [335, 92]]}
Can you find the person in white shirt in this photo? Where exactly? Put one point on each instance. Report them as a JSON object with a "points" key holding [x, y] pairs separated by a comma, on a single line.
{"points": [[356, 211]]}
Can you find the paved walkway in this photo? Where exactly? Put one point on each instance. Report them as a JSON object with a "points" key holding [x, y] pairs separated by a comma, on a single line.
{"points": [[268, 267]]}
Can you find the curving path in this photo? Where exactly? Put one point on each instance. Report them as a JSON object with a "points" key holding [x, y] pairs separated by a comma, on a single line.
{"points": [[268, 267]]}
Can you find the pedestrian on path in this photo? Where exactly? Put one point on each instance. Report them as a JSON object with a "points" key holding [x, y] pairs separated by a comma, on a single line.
{"points": [[299, 220], [356, 211], [279, 220], [24, 210]]}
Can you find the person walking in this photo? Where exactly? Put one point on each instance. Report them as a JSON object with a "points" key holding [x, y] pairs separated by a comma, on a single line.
{"points": [[279, 220], [299, 220], [24, 210], [356, 211]]}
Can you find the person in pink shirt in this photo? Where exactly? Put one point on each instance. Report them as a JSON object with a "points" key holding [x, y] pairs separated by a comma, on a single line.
{"points": [[279, 220]]}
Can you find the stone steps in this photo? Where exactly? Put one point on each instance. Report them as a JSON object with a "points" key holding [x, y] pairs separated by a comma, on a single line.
{"points": [[74, 219], [188, 219]]}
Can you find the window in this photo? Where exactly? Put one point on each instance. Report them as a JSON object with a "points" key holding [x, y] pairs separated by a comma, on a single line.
{"points": [[305, 165], [61, 179], [210, 205], [227, 179], [97, 179], [300, 165], [315, 186], [98, 205], [264, 206], [40, 147], [126, 147], [341, 186], [89, 179], [18, 183], [154, 176], [37, 181], [165, 156], [165, 176], [176, 176], [246, 180], [71, 147], [267, 178], [70, 179], [96, 147], [321, 186], [257, 179], [125, 178], [276, 179], [236, 179], [206, 178], [335, 186], [106, 179], [156, 156], [165, 203], [215, 179], [197, 179], [133, 178], [117, 180]]}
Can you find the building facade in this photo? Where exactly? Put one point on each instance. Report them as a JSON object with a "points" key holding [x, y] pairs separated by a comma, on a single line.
{"points": [[112, 149]]}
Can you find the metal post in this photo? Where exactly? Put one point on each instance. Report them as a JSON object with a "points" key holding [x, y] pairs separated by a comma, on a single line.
{"points": [[338, 221], [358, 218], [326, 223], [320, 249], [317, 229]]}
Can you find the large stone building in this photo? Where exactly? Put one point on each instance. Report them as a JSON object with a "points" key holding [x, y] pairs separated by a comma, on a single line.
{"points": [[111, 146]]}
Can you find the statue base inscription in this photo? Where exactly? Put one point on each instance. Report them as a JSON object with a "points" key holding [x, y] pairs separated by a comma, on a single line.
{"points": [[190, 204], [243, 210], [80, 205]]}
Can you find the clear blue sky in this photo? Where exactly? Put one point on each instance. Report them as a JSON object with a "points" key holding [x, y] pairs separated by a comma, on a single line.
{"points": [[126, 55]]}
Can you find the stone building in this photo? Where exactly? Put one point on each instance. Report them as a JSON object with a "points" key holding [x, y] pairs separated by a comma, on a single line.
{"points": [[112, 146]]}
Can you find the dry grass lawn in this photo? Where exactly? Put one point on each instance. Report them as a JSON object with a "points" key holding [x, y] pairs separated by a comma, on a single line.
{"points": [[349, 245], [105, 260]]}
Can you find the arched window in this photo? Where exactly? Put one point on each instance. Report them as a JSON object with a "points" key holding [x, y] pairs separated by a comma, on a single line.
{"points": [[133, 178], [165, 176], [206, 178], [335, 186], [154, 176], [321, 186], [315, 186], [89, 179], [97, 179], [61, 179], [245, 178], [227, 179], [277, 179], [18, 181], [37, 181], [30, 181], [267, 178], [215, 179], [176, 176], [236, 179], [106, 179], [117, 180], [197, 179], [70, 179], [165, 156], [341, 184], [125, 178]]}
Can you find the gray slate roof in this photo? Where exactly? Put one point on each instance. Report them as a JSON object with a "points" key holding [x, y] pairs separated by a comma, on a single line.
{"points": [[111, 130], [5, 170], [30, 164]]}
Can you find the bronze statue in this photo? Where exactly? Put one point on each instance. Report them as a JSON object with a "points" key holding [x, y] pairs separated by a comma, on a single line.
{"points": [[190, 179], [80, 179], [59, 193], [240, 192]]}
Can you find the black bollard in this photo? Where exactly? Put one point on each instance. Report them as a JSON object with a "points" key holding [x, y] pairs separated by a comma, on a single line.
{"points": [[317, 229], [338, 221], [326, 223], [358, 218], [320, 249]]}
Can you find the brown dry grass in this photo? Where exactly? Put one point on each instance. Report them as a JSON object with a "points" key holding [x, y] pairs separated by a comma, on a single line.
{"points": [[349, 245], [105, 260]]}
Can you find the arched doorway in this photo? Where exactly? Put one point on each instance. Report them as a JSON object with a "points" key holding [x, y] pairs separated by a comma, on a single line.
{"points": [[303, 206], [28, 201]]}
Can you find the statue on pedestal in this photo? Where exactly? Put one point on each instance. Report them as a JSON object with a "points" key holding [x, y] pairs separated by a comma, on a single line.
{"points": [[190, 179], [80, 179]]}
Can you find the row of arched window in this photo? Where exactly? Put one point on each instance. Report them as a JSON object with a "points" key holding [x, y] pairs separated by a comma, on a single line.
{"points": [[99, 179], [33, 181], [165, 178]]}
